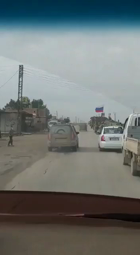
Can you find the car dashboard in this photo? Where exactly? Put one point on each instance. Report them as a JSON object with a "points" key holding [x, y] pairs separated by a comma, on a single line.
{"points": [[36, 223], [75, 237]]}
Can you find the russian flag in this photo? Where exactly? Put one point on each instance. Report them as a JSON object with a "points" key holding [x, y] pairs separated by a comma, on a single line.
{"points": [[99, 109]]}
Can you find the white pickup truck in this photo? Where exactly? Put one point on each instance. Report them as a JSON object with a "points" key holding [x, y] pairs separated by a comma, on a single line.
{"points": [[131, 143]]}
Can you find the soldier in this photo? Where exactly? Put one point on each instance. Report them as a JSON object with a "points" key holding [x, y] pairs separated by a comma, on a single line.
{"points": [[11, 133]]}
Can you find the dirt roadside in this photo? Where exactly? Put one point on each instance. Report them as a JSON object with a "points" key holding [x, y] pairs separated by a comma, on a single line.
{"points": [[13, 160]]}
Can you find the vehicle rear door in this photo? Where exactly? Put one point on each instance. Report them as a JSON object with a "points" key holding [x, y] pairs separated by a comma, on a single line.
{"points": [[74, 136], [113, 135], [61, 135], [126, 123]]}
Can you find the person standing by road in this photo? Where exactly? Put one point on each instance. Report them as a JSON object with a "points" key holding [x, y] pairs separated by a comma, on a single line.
{"points": [[11, 133]]}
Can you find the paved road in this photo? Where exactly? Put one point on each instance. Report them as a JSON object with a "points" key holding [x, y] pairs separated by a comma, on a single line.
{"points": [[85, 171]]}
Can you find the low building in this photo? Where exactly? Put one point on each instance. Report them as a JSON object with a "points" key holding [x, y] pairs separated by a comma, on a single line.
{"points": [[33, 120], [39, 118], [9, 118]]}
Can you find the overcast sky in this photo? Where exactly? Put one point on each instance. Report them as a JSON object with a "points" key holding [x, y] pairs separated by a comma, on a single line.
{"points": [[73, 71]]}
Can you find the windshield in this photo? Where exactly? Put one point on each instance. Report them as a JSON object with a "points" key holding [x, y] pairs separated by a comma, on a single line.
{"points": [[67, 85], [113, 130]]}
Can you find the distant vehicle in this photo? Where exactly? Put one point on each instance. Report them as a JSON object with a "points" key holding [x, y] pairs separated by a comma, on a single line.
{"points": [[51, 123], [62, 136], [110, 138]]}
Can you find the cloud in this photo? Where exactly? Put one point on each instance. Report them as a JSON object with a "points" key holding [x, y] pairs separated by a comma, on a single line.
{"points": [[115, 50], [101, 62]]}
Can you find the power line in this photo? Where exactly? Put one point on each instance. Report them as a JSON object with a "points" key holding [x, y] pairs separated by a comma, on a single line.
{"points": [[59, 82], [8, 80], [53, 78], [37, 72], [56, 83]]}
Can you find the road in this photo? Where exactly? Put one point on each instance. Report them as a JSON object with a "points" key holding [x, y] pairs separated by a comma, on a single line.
{"points": [[13, 160], [84, 171]]}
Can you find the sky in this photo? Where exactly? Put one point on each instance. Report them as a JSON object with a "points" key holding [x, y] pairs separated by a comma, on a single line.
{"points": [[72, 70]]}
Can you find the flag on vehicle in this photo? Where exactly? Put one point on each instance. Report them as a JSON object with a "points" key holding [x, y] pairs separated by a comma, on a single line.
{"points": [[99, 109]]}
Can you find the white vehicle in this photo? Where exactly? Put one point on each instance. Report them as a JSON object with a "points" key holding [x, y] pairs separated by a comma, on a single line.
{"points": [[52, 122], [132, 121], [131, 143], [110, 138]]}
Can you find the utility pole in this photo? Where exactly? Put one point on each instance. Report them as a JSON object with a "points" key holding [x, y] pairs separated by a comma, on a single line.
{"points": [[20, 90], [57, 114], [115, 116]]}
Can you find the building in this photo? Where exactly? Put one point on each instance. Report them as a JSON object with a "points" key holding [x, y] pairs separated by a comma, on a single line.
{"points": [[33, 120], [39, 118], [9, 118]]}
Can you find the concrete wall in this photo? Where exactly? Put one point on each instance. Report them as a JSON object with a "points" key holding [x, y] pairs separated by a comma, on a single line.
{"points": [[82, 126], [39, 123], [10, 118], [6, 120], [77, 127]]}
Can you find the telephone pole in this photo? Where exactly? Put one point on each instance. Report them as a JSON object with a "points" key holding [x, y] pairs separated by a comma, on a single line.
{"points": [[115, 116], [57, 114], [20, 90]]}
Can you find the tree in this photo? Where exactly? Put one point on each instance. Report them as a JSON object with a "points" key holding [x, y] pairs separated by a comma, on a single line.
{"points": [[38, 103], [25, 102], [12, 104], [48, 115]]}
